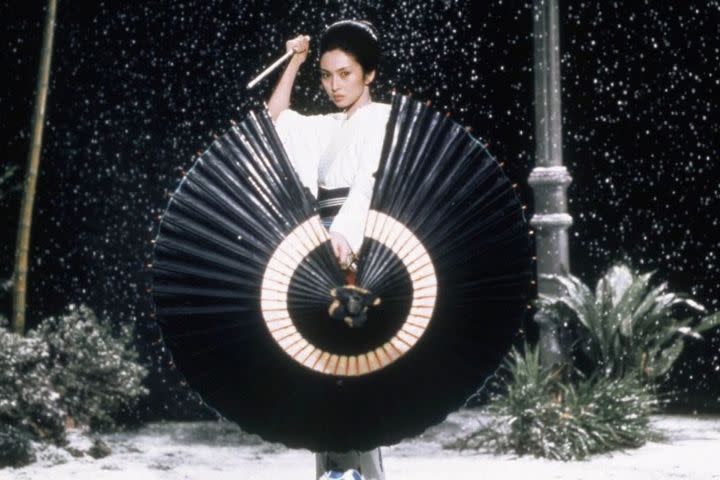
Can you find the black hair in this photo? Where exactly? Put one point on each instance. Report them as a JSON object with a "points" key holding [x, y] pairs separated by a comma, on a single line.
{"points": [[355, 37]]}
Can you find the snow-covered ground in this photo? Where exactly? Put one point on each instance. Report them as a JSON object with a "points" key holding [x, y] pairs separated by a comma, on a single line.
{"points": [[203, 450]]}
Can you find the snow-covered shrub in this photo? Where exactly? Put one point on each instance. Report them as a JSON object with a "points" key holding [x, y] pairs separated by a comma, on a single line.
{"points": [[30, 407], [94, 369], [542, 415], [15, 447], [71, 369]]}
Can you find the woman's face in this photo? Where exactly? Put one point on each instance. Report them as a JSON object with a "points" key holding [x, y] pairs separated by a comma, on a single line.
{"points": [[343, 78]]}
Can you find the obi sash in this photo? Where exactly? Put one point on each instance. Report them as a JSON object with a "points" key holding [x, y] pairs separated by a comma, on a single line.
{"points": [[329, 202]]}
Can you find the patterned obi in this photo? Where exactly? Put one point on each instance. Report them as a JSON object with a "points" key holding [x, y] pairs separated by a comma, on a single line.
{"points": [[329, 202]]}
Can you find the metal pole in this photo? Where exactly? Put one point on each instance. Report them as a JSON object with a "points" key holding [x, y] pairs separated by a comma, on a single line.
{"points": [[549, 179]]}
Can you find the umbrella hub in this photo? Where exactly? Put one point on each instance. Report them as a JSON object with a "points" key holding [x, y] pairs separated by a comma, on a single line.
{"points": [[350, 304]]}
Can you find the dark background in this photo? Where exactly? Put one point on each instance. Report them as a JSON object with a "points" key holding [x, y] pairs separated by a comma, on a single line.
{"points": [[138, 87]]}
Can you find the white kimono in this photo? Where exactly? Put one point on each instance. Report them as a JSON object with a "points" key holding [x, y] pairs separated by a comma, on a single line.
{"points": [[333, 151]]}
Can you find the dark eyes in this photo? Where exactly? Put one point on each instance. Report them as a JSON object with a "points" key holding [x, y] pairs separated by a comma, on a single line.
{"points": [[342, 74]]}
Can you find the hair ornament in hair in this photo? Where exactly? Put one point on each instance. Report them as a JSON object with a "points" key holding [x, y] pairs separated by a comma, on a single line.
{"points": [[364, 25]]}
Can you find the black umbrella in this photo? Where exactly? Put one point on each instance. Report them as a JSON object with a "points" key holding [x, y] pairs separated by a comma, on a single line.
{"points": [[257, 313]]}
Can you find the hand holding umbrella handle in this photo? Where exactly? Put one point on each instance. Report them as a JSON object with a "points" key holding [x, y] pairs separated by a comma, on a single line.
{"points": [[272, 67]]}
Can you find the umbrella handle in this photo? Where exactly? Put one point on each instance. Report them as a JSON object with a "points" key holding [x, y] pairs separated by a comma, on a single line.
{"points": [[269, 69]]}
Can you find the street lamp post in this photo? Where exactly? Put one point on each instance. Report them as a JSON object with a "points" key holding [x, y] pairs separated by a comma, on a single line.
{"points": [[549, 179]]}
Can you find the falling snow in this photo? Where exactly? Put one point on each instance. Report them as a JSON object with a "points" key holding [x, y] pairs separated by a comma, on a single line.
{"points": [[137, 88]]}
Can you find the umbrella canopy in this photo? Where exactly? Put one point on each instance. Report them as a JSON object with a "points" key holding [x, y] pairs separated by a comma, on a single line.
{"points": [[259, 319]]}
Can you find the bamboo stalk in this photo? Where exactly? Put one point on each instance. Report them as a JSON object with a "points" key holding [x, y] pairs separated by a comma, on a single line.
{"points": [[22, 244]]}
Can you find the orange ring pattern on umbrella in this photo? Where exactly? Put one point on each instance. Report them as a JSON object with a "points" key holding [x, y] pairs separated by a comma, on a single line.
{"points": [[298, 245]]}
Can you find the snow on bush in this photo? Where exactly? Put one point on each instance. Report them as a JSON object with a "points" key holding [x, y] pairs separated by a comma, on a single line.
{"points": [[30, 407], [94, 369], [539, 413], [71, 370]]}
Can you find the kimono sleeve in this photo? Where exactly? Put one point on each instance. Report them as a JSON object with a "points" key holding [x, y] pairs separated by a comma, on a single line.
{"points": [[305, 138]]}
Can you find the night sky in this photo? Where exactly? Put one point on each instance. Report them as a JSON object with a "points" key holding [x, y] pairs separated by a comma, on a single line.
{"points": [[137, 88]]}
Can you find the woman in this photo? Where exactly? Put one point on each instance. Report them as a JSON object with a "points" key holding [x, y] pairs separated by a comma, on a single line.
{"points": [[336, 156]]}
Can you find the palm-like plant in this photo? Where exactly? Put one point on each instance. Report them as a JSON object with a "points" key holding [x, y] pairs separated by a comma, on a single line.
{"points": [[627, 325]]}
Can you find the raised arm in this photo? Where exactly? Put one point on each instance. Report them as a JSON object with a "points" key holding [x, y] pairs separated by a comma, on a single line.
{"points": [[280, 99]]}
